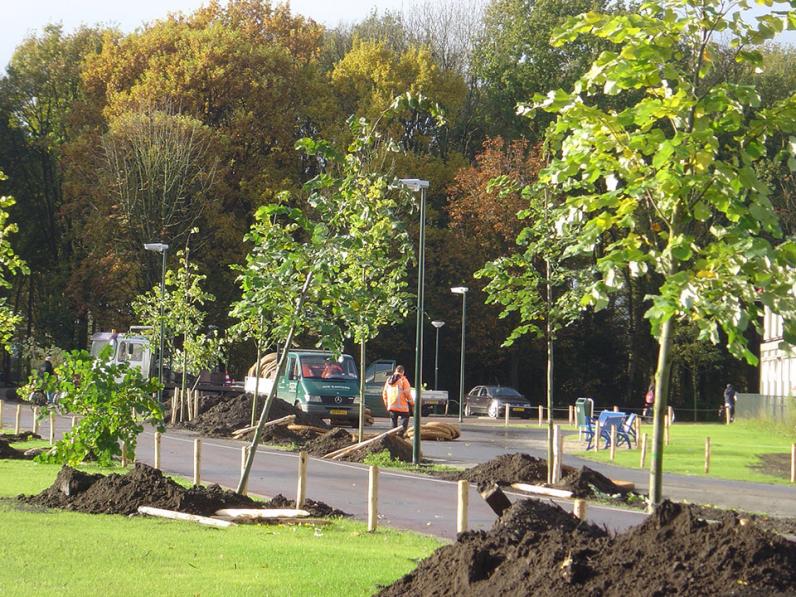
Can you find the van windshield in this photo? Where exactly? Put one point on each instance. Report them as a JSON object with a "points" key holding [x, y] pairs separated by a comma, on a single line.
{"points": [[322, 366]]}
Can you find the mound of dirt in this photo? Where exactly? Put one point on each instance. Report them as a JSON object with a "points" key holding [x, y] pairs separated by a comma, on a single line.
{"points": [[8, 452], [538, 549], [123, 494], [523, 468], [13, 438], [399, 449], [206, 402], [317, 509], [330, 441], [235, 413]]}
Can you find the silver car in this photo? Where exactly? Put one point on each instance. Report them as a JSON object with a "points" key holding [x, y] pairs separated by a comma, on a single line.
{"points": [[493, 400]]}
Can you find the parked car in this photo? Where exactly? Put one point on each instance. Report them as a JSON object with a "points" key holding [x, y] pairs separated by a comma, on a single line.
{"points": [[493, 400]]}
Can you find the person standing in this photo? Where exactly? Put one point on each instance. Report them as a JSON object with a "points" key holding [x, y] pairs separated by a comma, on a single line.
{"points": [[46, 370], [649, 401], [397, 397], [729, 400]]}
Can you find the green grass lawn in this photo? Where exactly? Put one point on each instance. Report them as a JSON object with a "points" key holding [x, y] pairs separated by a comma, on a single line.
{"points": [[50, 552], [735, 450]]}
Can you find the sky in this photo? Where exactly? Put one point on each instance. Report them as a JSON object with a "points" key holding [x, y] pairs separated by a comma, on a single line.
{"points": [[20, 18]]}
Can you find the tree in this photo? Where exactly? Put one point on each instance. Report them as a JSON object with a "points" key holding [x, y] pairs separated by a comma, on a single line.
{"points": [[668, 184], [541, 283], [513, 58], [367, 209], [183, 316], [10, 265], [111, 400]]}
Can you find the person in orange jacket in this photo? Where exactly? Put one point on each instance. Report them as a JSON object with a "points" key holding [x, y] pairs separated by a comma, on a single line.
{"points": [[397, 396]]}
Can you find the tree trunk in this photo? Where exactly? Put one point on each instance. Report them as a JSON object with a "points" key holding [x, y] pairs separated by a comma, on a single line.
{"points": [[660, 409], [256, 382], [695, 389], [361, 389], [244, 478], [549, 384]]}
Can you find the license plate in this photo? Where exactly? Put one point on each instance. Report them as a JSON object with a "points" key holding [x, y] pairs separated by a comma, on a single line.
{"points": [[337, 411], [518, 409]]}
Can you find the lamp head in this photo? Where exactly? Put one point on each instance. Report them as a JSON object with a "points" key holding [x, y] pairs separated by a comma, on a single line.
{"points": [[414, 184], [459, 289], [437, 324], [157, 247]]}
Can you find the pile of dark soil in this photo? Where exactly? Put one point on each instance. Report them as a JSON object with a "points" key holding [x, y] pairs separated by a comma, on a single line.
{"points": [[336, 439], [538, 549], [123, 494], [317, 509], [206, 402], [235, 413], [399, 449], [523, 468], [146, 486], [8, 452], [13, 438]]}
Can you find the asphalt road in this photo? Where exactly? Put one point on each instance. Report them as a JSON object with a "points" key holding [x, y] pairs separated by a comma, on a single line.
{"points": [[418, 502]]}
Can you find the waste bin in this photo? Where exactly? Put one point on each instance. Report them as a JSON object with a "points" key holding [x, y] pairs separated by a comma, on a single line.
{"points": [[584, 409]]}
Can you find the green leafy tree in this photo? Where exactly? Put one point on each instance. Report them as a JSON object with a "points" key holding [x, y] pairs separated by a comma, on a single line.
{"points": [[541, 283], [183, 317], [10, 265], [368, 209], [668, 184], [111, 401]]}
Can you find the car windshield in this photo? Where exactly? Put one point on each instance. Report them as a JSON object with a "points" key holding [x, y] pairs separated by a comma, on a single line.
{"points": [[505, 392], [321, 366]]}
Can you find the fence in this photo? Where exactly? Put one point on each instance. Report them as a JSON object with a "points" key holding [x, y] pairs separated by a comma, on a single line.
{"points": [[780, 409]]}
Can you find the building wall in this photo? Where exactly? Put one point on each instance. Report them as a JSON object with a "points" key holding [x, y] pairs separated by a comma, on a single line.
{"points": [[777, 366]]}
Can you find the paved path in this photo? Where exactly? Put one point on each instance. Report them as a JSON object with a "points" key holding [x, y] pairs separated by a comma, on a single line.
{"points": [[418, 502]]}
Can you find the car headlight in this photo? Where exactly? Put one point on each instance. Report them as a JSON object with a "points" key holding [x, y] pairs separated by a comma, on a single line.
{"points": [[313, 398]]}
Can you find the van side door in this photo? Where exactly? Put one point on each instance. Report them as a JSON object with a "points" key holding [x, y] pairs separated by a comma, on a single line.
{"points": [[289, 380]]}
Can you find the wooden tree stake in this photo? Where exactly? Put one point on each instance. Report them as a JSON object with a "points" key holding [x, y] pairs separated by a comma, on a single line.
{"points": [[556, 453], [124, 454], [726, 414], [373, 498], [643, 450], [506, 424], [613, 443], [195, 404], [52, 428], [597, 432], [174, 399], [2, 404], [74, 422], [579, 509], [462, 508], [197, 461], [571, 413], [541, 414], [301, 491], [707, 455], [793, 463], [17, 419], [157, 449], [244, 456], [35, 426], [666, 432]]}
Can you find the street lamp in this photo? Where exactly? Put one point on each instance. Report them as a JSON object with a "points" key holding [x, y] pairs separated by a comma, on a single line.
{"points": [[436, 324], [463, 291], [414, 185], [161, 248]]}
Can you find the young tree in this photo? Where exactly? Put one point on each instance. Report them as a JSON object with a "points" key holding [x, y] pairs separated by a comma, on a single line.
{"points": [[10, 265], [669, 184], [111, 399], [541, 283], [183, 316]]}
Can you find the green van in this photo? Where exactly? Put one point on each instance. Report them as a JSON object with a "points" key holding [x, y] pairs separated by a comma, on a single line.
{"points": [[318, 384]]}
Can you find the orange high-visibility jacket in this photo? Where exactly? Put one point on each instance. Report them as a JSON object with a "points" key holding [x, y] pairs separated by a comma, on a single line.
{"points": [[397, 396]]}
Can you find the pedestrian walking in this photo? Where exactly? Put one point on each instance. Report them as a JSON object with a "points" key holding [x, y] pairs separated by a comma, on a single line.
{"points": [[397, 397], [730, 397]]}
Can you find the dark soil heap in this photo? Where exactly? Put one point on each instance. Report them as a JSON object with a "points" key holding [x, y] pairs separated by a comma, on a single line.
{"points": [[523, 468], [336, 439], [235, 413], [146, 486], [399, 449], [538, 549], [8, 452], [123, 494], [317, 509], [13, 438]]}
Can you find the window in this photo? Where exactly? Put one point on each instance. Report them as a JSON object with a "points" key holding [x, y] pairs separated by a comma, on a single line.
{"points": [[323, 366]]}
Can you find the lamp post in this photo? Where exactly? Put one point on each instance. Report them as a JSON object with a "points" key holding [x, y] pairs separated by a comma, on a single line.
{"points": [[161, 248], [436, 324], [414, 185], [463, 291]]}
